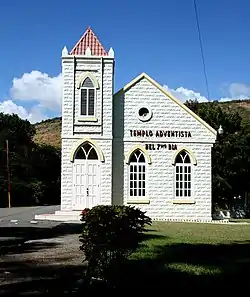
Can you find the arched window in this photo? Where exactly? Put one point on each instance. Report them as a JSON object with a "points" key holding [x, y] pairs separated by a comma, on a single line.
{"points": [[183, 175], [88, 94], [137, 174], [86, 152]]}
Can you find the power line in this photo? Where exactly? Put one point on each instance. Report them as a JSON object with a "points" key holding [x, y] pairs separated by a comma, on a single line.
{"points": [[201, 48]]}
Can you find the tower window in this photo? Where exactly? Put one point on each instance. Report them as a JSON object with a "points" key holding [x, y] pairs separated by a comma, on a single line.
{"points": [[88, 94]]}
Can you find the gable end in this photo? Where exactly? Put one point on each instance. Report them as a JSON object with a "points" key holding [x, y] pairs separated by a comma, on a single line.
{"points": [[169, 95]]}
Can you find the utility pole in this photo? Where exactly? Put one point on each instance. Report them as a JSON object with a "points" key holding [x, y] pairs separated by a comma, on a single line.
{"points": [[8, 171]]}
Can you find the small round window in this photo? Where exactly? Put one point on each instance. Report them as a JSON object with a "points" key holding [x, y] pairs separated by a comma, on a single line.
{"points": [[144, 114]]}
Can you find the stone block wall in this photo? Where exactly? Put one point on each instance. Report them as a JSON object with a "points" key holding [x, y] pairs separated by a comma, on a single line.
{"points": [[160, 201]]}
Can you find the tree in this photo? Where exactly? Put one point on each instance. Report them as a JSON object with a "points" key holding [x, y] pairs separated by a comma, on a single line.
{"points": [[45, 162], [110, 234], [193, 105], [230, 161], [19, 134], [35, 169], [213, 114]]}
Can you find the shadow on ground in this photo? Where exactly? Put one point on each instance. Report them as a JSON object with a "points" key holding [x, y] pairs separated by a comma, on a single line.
{"points": [[21, 276], [30, 279], [188, 267], [178, 267], [23, 234]]}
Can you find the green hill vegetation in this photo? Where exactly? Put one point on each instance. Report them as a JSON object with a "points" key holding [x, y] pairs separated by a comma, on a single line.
{"points": [[240, 106], [49, 131]]}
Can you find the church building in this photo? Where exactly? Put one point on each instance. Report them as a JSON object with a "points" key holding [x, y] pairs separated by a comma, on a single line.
{"points": [[140, 146]]}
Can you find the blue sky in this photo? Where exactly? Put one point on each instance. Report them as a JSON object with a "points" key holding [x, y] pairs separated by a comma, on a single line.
{"points": [[159, 38]]}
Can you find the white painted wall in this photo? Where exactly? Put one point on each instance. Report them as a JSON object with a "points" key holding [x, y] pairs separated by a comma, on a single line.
{"points": [[116, 117], [73, 131], [167, 115]]}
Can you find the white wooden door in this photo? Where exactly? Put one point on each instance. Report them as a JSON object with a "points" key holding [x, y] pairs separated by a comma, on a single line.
{"points": [[86, 184]]}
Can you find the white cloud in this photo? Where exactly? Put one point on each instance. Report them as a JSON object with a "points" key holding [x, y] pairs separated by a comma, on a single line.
{"points": [[226, 99], [239, 91], [236, 91], [43, 93], [39, 87], [10, 107], [34, 115], [184, 94]]}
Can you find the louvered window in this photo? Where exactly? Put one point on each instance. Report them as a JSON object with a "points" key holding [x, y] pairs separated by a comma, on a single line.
{"points": [[88, 94]]}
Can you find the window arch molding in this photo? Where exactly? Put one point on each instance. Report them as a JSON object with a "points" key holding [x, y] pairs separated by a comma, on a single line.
{"points": [[137, 175], [91, 77], [191, 155], [141, 148], [183, 174], [81, 143]]}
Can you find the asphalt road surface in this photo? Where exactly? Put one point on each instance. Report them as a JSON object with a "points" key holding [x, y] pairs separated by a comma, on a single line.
{"points": [[19, 224], [22, 216]]}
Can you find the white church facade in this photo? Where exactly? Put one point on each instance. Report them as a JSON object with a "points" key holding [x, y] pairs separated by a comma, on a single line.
{"points": [[139, 146]]}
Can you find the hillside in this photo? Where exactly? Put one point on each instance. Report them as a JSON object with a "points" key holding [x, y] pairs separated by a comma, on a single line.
{"points": [[243, 108], [49, 131]]}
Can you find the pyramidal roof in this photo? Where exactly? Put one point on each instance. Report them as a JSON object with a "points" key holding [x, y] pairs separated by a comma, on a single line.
{"points": [[90, 40]]}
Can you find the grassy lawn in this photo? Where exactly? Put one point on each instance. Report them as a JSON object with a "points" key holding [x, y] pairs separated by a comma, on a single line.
{"points": [[185, 256], [240, 220]]}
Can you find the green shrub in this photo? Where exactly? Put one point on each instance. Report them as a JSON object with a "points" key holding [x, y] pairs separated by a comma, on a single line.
{"points": [[110, 234]]}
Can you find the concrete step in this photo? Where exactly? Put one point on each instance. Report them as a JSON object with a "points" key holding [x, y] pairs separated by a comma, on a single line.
{"points": [[58, 217], [66, 213]]}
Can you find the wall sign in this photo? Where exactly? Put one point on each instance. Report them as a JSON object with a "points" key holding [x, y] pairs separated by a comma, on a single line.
{"points": [[159, 133], [158, 146]]}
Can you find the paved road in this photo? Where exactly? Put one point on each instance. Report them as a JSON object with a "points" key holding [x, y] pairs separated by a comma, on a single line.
{"points": [[24, 215], [18, 223]]}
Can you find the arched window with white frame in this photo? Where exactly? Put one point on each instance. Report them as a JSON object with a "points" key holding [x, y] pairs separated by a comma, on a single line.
{"points": [[183, 175], [137, 174], [88, 96], [86, 152]]}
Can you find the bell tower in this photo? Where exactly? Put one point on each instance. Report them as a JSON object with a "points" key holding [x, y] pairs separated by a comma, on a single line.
{"points": [[87, 104], [87, 88]]}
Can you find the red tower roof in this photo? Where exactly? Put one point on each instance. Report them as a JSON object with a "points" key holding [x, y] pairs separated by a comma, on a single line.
{"points": [[88, 40]]}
